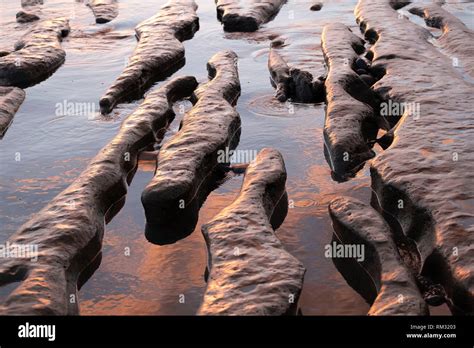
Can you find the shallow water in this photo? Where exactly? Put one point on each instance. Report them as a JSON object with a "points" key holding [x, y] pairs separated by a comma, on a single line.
{"points": [[53, 149]]}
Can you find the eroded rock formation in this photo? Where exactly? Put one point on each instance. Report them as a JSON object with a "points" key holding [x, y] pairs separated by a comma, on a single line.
{"points": [[68, 232], [250, 272], [36, 56], [10, 100], [455, 35], [104, 10], [158, 54], [296, 71], [25, 17], [423, 182], [188, 164], [246, 15], [381, 278], [351, 120]]}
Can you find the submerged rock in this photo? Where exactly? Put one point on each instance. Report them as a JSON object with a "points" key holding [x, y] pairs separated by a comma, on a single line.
{"points": [[316, 6], [68, 232], [24, 17], [423, 181], [10, 100], [158, 54], [36, 56], [296, 65], [104, 10], [250, 271], [246, 16], [350, 116], [294, 83], [381, 277], [189, 163]]}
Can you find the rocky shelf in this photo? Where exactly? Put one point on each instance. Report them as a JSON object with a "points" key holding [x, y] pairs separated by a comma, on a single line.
{"points": [[247, 15], [68, 232], [104, 10], [250, 272], [158, 54], [188, 164], [11, 99], [36, 56]]}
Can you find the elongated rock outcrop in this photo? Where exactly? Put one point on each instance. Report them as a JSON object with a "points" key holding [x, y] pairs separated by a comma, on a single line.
{"points": [[455, 34], [104, 10], [424, 180], [36, 56], [10, 100], [158, 54], [350, 117], [189, 163], [381, 276], [250, 272], [68, 232], [246, 15]]}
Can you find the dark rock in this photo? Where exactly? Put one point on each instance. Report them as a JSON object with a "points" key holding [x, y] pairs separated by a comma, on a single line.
{"points": [[23, 17], [381, 277], [251, 273], [69, 230], [158, 54], [369, 80], [246, 16], [317, 6], [10, 100], [104, 10], [429, 166], [361, 64], [350, 117], [189, 162], [36, 56]]}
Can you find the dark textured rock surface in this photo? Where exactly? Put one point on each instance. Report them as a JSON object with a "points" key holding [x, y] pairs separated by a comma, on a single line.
{"points": [[159, 52], [295, 73], [188, 162], [250, 271], [456, 37], [104, 10], [10, 100], [24, 17], [350, 116], [36, 56], [68, 232], [423, 181], [247, 15], [381, 278], [316, 6]]}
